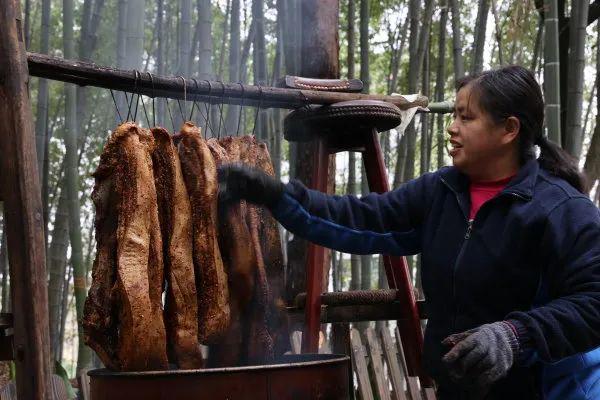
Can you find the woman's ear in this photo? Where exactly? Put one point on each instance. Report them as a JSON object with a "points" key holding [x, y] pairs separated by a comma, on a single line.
{"points": [[512, 126]]}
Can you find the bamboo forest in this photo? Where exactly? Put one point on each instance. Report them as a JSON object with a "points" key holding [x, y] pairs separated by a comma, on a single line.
{"points": [[221, 48]]}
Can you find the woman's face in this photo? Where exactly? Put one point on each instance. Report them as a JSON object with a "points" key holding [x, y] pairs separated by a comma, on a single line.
{"points": [[476, 140]]}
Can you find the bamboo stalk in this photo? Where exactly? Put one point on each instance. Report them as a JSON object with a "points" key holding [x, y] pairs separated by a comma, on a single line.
{"points": [[89, 74]]}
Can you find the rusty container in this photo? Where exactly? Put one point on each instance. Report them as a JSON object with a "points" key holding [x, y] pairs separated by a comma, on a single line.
{"points": [[293, 377]]}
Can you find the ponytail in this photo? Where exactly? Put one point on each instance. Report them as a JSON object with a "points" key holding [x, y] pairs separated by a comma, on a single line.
{"points": [[560, 163]]}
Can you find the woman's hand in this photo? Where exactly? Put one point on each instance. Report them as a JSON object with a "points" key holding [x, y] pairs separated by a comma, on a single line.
{"points": [[481, 356], [239, 182]]}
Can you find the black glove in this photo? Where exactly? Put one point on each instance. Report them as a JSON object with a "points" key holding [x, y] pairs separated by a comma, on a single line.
{"points": [[239, 182], [481, 356]]}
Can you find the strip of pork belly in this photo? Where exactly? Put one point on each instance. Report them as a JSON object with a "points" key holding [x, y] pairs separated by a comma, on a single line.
{"points": [[200, 176], [273, 259], [257, 155], [139, 283], [99, 312], [260, 344], [175, 216], [240, 262]]}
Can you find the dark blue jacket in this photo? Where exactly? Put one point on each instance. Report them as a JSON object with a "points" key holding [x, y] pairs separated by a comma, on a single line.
{"points": [[531, 255]]}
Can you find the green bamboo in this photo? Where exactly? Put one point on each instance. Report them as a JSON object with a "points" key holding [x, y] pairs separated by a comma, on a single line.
{"points": [[552, 71], [577, 36]]}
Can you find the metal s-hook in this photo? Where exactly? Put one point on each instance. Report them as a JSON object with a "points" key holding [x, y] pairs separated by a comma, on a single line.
{"points": [[116, 106], [153, 108], [135, 85], [237, 132], [208, 106], [184, 98], [260, 98], [195, 98], [220, 106]]}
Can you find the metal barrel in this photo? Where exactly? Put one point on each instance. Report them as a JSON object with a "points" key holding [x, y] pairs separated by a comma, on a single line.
{"points": [[293, 377]]}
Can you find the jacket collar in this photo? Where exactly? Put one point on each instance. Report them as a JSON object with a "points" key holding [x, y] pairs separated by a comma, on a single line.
{"points": [[522, 185]]}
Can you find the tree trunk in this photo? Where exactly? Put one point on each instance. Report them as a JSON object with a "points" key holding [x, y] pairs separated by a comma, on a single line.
{"points": [[538, 45], [205, 52], [121, 51], [498, 32], [64, 308], [366, 260], [233, 112], [205, 70], [160, 63], [41, 121], [351, 185], [27, 25], [457, 47], [185, 37], [41, 115], [351, 190], [276, 137], [592, 161], [320, 59], [414, 69], [441, 82], [479, 36], [260, 63], [552, 85], [57, 263], [424, 161], [577, 36], [364, 45], [413, 77], [184, 51], [225, 30], [396, 57], [72, 183]]}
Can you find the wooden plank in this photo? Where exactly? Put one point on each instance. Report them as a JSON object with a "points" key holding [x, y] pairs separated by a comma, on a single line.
{"points": [[429, 394], [296, 342], [391, 358], [378, 374], [414, 391], [360, 367], [84, 384], [23, 212], [340, 344]]}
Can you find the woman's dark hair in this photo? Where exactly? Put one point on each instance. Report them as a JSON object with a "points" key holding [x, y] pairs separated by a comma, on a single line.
{"points": [[512, 91]]}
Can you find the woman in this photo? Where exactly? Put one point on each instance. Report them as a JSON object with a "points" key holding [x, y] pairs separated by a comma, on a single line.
{"points": [[510, 246]]}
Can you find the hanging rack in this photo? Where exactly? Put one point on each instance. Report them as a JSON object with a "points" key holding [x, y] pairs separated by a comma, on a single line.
{"points": [[89, 74]]}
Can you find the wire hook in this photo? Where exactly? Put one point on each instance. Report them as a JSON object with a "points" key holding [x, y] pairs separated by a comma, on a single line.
{"points": [[153, 108], [208, 106], [237, 132], [257, 108], [184, 98], [220, 106], [116, 106], [135, 83]]}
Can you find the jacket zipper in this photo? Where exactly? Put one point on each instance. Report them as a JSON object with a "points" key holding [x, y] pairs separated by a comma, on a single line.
{"points": [[458, 259], [466, 238], [460, 253]]}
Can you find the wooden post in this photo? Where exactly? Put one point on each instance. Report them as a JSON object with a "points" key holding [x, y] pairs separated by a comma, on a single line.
{"points": [[23, 212], [320, 59]]}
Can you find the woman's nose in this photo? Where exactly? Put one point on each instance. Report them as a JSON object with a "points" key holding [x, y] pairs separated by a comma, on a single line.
{"points": [[452, 130]]}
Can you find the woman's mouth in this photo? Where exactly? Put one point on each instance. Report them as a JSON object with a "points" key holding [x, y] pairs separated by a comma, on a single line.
{"points": [[453, 151]]}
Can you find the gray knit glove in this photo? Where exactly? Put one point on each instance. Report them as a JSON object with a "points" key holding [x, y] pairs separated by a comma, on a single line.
{"points": [[240, 182], [481, 356]]}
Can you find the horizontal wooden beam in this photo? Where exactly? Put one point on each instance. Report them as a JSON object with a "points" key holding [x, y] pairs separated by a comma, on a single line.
{"points": [[177, 87], [357, 313]]}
